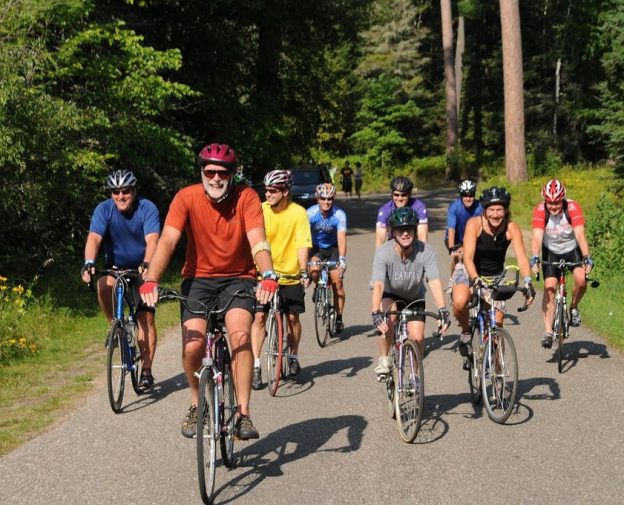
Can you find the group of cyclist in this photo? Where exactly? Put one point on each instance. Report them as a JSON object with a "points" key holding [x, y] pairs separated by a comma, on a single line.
{"points": [[234, 242]]}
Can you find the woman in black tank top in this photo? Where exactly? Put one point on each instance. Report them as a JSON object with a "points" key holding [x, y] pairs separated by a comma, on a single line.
{"points": [[488, 237]]}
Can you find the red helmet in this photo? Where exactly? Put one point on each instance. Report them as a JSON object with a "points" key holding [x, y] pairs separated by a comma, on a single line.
{"points": [[554, 191], [217, 154]]}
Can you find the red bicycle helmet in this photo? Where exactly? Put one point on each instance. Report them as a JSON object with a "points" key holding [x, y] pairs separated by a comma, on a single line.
{"points": [[554, 191], [217, 154]]}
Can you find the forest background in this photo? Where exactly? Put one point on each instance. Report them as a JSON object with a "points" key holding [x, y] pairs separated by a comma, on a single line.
{"points": [[87, 87]]}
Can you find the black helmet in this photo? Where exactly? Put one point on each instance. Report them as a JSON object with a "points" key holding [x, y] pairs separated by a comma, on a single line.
{"points": [[495, 196], [403, 216], [402, 184]]}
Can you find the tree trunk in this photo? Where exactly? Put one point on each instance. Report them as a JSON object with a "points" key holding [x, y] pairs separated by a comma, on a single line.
{"points": [[459, 61], [515, 154], [449, 78]]}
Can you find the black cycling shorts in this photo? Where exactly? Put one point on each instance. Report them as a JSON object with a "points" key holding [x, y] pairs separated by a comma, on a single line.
{"points": [[291, 299], [329, 254], [573, 256], [415, 306], [215, 292]]}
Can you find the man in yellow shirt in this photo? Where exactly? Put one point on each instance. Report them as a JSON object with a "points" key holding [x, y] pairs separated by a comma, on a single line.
{"points": [[288, 233]]}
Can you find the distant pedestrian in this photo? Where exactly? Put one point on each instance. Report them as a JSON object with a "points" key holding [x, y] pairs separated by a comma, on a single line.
{"points": [[347, 181], [358, 176]]}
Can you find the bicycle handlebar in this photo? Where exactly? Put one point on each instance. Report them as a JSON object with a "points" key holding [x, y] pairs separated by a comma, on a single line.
{"points": [[171, 294], [131, 273], [568, 266]]}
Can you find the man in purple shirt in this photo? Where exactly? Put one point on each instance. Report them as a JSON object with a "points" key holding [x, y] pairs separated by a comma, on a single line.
{"points": [[401, 188]]}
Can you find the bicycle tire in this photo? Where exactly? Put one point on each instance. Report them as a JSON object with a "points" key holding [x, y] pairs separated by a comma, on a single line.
{"points": [[409, 392], [559, 331], [499, 382], [207, 432], [135, 373], [476, 362], [274, 351], [390, 386], [115, 367], [228, 417], [321, 316], [331, 314]]}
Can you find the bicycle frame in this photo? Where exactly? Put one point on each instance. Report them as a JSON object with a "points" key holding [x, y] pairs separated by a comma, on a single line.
{"points": [[130, 363]]}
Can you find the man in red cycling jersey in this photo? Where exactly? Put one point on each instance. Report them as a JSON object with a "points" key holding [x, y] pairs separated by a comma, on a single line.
{"points": [[559, 231], [225, 234]]}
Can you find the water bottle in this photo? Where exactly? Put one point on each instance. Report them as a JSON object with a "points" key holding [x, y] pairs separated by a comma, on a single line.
{"points": [[130, 329]]}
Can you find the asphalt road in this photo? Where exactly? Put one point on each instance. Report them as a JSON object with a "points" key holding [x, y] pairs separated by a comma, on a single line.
{"points": [[327, 439]]}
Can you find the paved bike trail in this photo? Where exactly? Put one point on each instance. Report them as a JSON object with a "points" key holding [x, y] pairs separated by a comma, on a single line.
{"points": [[327, 438]]}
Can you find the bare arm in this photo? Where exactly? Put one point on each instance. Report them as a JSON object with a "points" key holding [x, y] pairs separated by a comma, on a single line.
{"points": [[164, 250], [380, 235], [536, 245], [579, 233], [470, 246], [451, 237], [92, 248], [423, 232], [262, 257], [437, 292], [342, 243]]}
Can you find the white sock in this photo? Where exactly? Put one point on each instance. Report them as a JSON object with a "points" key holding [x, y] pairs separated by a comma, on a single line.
{"points": [[293, 356], [257, 363]]}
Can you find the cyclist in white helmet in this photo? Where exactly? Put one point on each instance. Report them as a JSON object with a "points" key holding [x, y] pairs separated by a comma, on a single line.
{"points": [[128, 226]]}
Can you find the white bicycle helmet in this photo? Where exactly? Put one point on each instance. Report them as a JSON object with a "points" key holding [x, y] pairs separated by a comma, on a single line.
{"points": [[121, 179], [279, 179], [325, 190], [467, 188]]}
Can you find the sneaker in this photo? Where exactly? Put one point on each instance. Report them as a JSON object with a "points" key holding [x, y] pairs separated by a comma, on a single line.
{"points": [[547, 340], [465, 349], [293, 367], [245, 429], [147, 379], [575, 318], [339, 326], [189, 425], [384, 366], [256, 381]]}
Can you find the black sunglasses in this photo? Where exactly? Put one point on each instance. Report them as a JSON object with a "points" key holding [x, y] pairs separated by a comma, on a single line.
{"points": [[123, 191]]}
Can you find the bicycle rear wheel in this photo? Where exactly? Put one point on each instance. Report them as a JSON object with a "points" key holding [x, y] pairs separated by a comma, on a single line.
{"points": [[559, 333], [228, 415], [207, 433], [274, 351], [409, 392], [321, 316], [499, 377], [474, 373], [331, 314], [115, 367]]}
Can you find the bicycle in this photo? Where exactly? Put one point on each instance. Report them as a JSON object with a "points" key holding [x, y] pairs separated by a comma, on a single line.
{"points": [[277, 346], [561, 322], [324, 309], [123, 354], [492, 364], [216, 407], [405, 386]]}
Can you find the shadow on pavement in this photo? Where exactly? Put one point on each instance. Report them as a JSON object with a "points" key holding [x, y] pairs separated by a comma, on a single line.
{"points": [[267, 457], [159, 392], [573, 351]]}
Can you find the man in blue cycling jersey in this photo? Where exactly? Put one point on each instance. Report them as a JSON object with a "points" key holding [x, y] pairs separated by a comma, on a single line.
{"points": [[129, 226], [401, 188], [459, 212], [328, 224]]}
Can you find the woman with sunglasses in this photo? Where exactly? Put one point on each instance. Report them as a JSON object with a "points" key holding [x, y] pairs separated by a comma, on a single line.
{"points": [[128, 226], [328, 224], [401, 190]]}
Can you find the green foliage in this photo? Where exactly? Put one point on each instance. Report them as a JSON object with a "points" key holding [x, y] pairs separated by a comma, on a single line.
{"points": [[606, 234]]}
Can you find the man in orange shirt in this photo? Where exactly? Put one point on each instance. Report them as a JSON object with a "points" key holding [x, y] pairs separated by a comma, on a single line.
{"points": [[225, 233]]}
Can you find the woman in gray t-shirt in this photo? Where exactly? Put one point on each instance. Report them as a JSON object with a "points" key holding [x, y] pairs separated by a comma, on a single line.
{"points": [[400, 268]]}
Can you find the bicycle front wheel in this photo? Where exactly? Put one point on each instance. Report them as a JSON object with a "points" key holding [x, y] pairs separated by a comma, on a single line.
{"points": [[499, 377], [409, 392], [207, 433], [274, 351], [115, 367], [559, 331], [321, 316], [476, 362], [228, 414]]}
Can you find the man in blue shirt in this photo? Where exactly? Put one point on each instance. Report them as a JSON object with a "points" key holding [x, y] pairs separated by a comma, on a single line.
{"points": [[129, 227], [328, 224], [459, 212]]}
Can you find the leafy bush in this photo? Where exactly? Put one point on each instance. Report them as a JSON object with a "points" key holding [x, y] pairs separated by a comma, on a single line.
{"points": [[606, 235]]}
